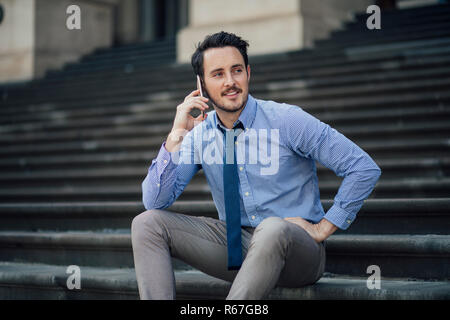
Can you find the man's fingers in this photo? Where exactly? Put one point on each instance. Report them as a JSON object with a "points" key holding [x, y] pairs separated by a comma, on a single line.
{"points": [[198, 98], [198, 104], [192, 94]]}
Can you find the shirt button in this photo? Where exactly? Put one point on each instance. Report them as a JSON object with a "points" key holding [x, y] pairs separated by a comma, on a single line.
{"points": [[241, 168], [157, 184], [165, 161], [253, 217], [236, 142], [246, 193], [349, 221]]}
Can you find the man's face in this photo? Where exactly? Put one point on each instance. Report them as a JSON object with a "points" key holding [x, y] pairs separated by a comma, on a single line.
{"points": [[225, 78]]}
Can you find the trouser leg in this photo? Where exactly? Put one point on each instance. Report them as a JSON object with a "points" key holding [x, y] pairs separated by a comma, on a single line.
{"points": [[280, 253], [158, 235]]}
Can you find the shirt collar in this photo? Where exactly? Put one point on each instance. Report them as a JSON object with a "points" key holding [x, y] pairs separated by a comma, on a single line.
{"points": [[245, 118]]}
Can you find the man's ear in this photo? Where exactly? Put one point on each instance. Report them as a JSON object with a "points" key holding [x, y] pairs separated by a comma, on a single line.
{"points": [[248, 73], [205, 92]]}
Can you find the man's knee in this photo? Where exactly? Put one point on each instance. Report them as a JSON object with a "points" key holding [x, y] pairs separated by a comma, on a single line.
{"points": [[272, 230], [273, 225], [144, 223]]}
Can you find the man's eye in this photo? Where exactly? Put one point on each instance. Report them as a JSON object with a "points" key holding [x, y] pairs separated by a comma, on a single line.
{"points": [[218, 74]]}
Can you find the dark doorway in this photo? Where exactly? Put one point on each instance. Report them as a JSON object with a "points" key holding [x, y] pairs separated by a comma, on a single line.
{"points": [[161, 19]]}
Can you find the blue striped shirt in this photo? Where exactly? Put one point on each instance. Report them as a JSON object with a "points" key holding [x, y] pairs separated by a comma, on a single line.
{"points": [[276, 155]]}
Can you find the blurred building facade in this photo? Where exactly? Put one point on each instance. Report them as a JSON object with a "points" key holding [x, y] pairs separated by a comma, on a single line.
{"points": [[35, 38]]}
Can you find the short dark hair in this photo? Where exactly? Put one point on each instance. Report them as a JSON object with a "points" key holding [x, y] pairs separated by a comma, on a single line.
{"points": [[218, 40]]}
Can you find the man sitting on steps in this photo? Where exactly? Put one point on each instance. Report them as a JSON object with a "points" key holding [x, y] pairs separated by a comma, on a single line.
{"points": [[272, 226]]}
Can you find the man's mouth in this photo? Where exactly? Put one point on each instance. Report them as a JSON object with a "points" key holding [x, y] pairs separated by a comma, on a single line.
{"points": [[232, 94]]}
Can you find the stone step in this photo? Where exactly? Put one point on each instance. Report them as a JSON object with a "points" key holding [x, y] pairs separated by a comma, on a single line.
{"points": [[303, 71], [394, 148], [400, 129], [32, 168], [163, 105], [313, 64], [162, 113], [49, 282], [125, 54], [145, 116], [400, 188], [168, 41], [71, 94], [114, 55], [358, 24], [120, 159], [422, 12], [130, 65], [360, 32], [181, 87], [74, 89], [354, 124], [414, 48], [313, 104], [363, 90], [414, 256], [98, 160], [151, 111], [113, 58], [127, 174], [393, 170], [126, 65], [404, 216], [426, 32], [411, 98], [118, 114], [132, 50]]}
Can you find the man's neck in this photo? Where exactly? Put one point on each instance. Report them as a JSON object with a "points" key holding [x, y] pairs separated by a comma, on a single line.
{"points": [[228, 118]]}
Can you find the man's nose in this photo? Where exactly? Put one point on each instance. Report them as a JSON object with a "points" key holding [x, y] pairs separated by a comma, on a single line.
{"points": [[229, 80]]}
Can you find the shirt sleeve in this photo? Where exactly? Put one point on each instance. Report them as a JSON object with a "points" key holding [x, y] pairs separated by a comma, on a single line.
{"points": [[168, 175], [311, 138]]}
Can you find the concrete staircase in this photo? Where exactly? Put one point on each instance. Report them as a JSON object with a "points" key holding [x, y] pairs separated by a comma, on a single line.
{"points": [[76, 145]]}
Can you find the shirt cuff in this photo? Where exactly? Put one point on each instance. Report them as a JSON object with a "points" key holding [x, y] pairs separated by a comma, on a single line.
{"points": [[164, 159], [339, 217]]}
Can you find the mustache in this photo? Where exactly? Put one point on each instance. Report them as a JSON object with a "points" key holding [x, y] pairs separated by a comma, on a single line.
{"points": [[232, 89]]}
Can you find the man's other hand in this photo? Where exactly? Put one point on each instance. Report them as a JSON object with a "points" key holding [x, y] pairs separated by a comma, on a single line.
{"points": [[319, 231]]}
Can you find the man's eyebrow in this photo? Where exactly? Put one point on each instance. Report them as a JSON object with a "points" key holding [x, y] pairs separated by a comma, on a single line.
{"points": [[233, 66]]}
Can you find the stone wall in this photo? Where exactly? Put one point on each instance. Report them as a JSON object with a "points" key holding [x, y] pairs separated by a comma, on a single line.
{"points": [[34, 36], [17, 40]]}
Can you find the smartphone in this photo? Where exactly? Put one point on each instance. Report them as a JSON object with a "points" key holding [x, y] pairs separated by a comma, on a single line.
{"points": [[199, 87]]}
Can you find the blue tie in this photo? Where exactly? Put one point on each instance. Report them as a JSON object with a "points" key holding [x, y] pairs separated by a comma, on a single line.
{"points": [[232, 201]]}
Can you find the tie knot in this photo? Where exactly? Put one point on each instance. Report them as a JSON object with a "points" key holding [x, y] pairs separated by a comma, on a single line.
{"points": [[232, 134], [239, 125]]}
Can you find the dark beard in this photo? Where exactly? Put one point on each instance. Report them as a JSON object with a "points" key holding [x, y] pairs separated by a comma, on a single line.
{"points": [[222, 107]]}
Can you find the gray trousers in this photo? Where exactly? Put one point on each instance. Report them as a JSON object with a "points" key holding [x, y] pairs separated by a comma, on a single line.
{"points": [[276, 253]]}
